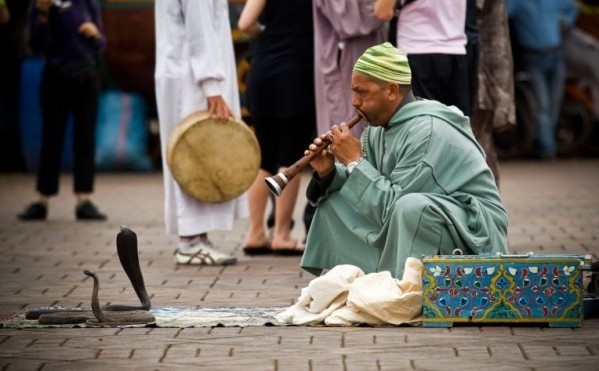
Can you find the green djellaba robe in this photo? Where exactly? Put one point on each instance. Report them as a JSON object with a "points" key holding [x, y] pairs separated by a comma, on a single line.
{"points": [[423, 188]]}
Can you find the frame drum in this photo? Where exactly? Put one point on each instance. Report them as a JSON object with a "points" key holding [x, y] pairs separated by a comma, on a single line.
{"points": [[213, 161]]}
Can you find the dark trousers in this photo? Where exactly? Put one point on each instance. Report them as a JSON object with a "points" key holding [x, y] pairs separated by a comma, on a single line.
{"points": [[442, 77], [472, 55], [60, 96]]}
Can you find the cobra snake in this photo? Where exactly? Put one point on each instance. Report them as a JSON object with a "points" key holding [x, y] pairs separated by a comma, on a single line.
{"points": [[112, 317], [126, 243]]}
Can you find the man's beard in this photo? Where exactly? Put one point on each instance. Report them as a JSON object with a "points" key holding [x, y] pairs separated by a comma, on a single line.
{"points": [[370, 121]]}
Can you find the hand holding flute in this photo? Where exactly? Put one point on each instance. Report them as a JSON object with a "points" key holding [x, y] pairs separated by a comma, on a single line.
{"points": [[342, 150], [342, 146]]}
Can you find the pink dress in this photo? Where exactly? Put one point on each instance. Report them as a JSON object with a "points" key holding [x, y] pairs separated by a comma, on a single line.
{"points": [[343, 30]]}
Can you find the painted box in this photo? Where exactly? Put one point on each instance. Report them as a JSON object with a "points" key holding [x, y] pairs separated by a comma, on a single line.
{"points": [[512, 289]]}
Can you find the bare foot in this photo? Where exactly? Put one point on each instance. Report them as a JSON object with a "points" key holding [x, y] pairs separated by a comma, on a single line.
{"points": [[291, 247], [257, 239], [257, 246]]}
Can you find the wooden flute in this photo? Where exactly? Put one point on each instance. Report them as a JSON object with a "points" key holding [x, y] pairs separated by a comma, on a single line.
{"points": [[277, 183]]}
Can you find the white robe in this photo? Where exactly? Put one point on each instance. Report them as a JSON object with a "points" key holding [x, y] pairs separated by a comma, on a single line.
{"points": [[194, 59]]}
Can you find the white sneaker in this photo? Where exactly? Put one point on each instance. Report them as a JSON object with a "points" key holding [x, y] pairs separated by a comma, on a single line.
{"points": [[202, 253]]}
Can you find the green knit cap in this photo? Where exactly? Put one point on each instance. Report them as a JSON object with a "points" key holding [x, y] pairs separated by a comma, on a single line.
{"points": [[385, 62]]}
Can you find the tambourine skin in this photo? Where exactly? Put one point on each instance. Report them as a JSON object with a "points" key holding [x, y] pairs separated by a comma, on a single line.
{"points": [[213, 161]]}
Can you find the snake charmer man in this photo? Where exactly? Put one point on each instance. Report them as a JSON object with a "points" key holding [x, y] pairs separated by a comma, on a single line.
{"points": [[415, 184]]}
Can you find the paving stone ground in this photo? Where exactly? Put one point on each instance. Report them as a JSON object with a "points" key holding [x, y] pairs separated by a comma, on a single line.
{"points": [[553, 208]]}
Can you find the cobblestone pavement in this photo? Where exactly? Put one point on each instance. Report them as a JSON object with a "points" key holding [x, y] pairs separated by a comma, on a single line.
{"points": [[553, 207]]}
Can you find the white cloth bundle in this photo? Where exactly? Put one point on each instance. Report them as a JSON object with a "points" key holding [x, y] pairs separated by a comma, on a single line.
{"points": [[345, 296]]}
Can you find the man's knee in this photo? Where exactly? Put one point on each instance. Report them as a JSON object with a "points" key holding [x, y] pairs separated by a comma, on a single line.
{"points": [[412, 204], [421, 224]]}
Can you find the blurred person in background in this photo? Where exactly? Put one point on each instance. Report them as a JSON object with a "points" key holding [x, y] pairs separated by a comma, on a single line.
{"points": [[280, 93], [433, 35], [538, 26], [13, 29], [492, 77], [195, 71], [343, 30], [70, 34]]}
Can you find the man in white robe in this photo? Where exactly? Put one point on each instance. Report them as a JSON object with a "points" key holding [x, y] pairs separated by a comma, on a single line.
{"points": [[195, 71]]}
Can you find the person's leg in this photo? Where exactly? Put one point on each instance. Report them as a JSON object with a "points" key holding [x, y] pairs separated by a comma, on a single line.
{"points": [[85, 110], [85, 96], [340, 235], [556, 75], [482, 126], [417, 228], [258, 198], [456, 84], [535, 67], [425, 81], [285, 205], [296, 134], [472, 55], [55, 108], [256, 239]]}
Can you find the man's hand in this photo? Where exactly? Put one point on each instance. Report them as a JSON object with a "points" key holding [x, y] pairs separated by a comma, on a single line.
{"points": [[218, 108], [323, 163], [89, 30], [344, 146]]}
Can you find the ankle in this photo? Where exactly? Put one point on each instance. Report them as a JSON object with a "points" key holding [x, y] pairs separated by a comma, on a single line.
{"points": [[256, 234], [82, 197], [195, 237], [43, 199], [283, 243], [188, 238]]}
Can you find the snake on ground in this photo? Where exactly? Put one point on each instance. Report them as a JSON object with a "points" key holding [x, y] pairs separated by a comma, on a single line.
{"points": [[126, 243]]}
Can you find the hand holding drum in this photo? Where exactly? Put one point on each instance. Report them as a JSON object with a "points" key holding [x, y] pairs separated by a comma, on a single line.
{"points": [[211, 158]]}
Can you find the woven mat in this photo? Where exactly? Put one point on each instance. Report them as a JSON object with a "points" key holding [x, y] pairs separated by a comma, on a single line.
{"points": [[171, 317]]}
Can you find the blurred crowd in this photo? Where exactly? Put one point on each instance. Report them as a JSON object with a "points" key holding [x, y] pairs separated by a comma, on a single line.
{"points": [[130, 59]]}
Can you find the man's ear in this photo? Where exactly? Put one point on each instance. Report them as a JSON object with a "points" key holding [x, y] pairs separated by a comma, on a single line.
{"points": [[394, 92]]}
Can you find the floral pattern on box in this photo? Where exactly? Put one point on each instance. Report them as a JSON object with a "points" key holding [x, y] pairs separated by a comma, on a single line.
{"points": [[491, 289]]}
